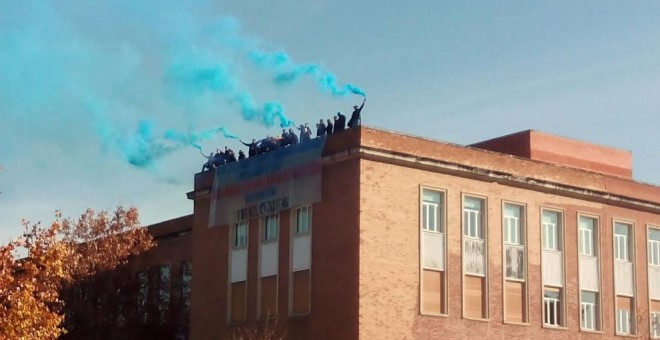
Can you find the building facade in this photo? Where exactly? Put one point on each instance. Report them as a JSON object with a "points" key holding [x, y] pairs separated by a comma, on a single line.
{"points": [[524, 236]]}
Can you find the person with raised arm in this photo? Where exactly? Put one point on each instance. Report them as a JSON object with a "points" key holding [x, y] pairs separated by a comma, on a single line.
{"points": [[252, 147], [209, 160], [356, 117]]}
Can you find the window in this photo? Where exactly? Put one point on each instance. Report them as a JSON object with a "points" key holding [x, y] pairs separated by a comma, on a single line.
{"points": [[655, 324], [552, 307], [623, 321], [588, 310], [621, 242], [587, 236], [473, 217], [431, 210], [164, 292], [551, 222], [240, 235], [303, 219], [513, 233], [654, 247], [514, 240], [186, 281], [271, 227], [143, 294], [433, 279]]}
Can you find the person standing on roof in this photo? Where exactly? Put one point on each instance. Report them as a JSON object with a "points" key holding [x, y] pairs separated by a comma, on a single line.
{"points": [[356, 117], [241, 155], [304, 133], [340, 122], [328, 127], [320, 128], [285, 138], [229, 155], [293, 139], [252, 147], [219, 159], [209, 161]]}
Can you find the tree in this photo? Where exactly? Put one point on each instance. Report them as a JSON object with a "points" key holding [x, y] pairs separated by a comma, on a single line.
{"points": [[66, 252]]}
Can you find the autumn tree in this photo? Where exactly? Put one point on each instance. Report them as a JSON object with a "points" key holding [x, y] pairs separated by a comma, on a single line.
{"points": [[55, 257]]}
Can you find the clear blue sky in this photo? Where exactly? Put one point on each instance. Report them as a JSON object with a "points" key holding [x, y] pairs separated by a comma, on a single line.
{"points": [[76, 78]]}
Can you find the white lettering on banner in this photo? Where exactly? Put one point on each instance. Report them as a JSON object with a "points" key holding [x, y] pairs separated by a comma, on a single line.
{"points": [[268, 183], [264, 208]]}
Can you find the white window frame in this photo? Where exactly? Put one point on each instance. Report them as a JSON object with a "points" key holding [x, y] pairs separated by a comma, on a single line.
{"points": [[240, 235], [513, 234], [303, 220], [587, 238], [271, 229], [431, 209], [655, 325], [474, 230], [556, 311], [588, 316], [622, 243], [550, 229], [623, 321], [653, 249]]}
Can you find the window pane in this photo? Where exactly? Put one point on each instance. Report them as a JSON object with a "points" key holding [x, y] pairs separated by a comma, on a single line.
{"points": [[472, 203], [621, 229], [551, 221], [654, 234], [431, 196]]}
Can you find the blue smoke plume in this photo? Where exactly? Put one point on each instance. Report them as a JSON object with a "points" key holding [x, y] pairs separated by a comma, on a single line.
{"points": [[286, 71], [140, 76]]}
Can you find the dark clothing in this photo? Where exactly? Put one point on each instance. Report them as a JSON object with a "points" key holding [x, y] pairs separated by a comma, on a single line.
{"points": [[229, 156], [252, 148], [267, 144], [285, 139], [328, 128], [320, 129], [340, 123], [355, 117], [219, 159], [241, 155], [293, 139]]}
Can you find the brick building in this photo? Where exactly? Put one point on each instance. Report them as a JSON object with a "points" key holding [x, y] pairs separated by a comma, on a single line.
{"points": [[390, 236]]}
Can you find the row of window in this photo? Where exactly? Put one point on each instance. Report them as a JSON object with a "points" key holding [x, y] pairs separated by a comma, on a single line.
{"points": [[267, 286], [514, 239]]}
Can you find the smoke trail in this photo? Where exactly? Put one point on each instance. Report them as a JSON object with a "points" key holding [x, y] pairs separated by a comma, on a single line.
{"points": [[69, 65], [286, 71]]}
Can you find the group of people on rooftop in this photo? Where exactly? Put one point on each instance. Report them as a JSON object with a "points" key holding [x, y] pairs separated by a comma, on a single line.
{"points": [[287, 138]]}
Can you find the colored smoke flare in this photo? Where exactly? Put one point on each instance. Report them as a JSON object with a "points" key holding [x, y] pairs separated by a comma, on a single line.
{"points": [[71, 65]]}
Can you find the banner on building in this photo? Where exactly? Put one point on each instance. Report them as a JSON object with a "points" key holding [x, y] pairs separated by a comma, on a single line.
{"points": [[268, 183]]}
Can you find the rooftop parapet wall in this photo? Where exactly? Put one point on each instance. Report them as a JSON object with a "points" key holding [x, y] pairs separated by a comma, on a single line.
{"points": [[425, 149], [519, 164], [554, 149]]}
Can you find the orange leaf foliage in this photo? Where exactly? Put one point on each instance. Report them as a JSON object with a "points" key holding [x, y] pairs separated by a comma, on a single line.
{"points": [[65, 252]]}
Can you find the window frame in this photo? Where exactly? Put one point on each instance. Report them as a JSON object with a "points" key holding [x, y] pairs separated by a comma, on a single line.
{"points": [[652, 246], [439, 211], [441, 221], [595, 315], [654, 331], [593, 239], [267, 237], [241, 225], [481, 229], [484, 237], [559, 310], [558, 237], [306, 228], [628, 241], [619, 322]]}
